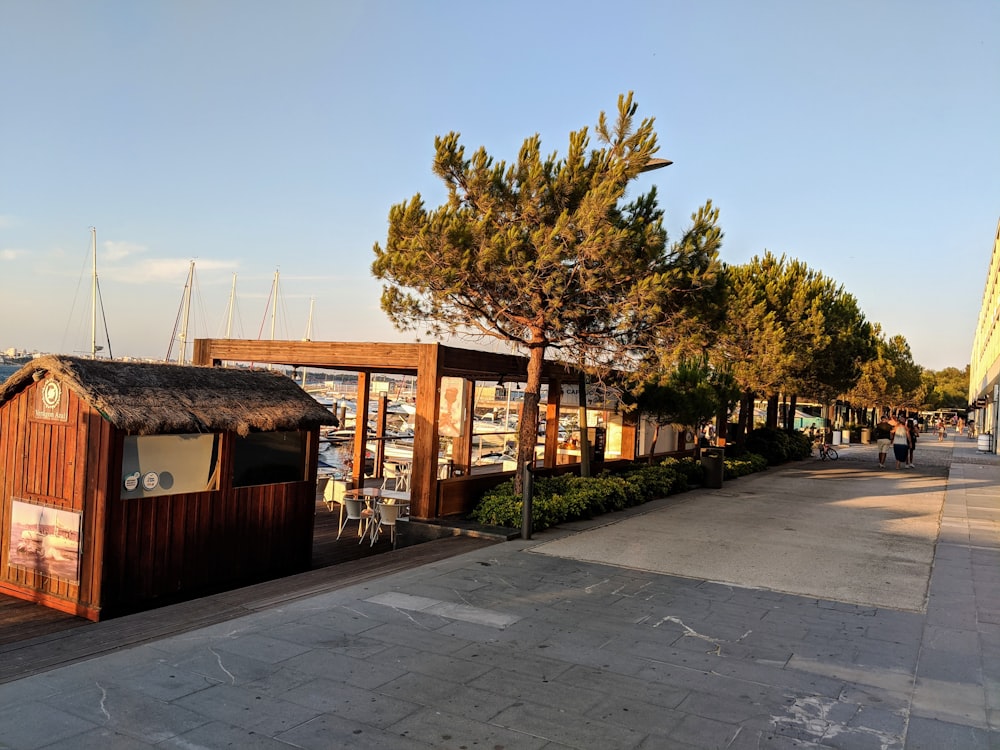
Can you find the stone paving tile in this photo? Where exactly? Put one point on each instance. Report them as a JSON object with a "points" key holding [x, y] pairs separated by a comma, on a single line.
{"points": [[329, 731], [279, 682], [366, 673], [103, 738], [574, 729], [507, 656], [402, 635], [624, 688], [32, 725], [432, 664], [950, 666], [455, 731], [165, 681], [127, 712], [265, 648], [323, 636], [700, 731], [245, 708], [212, 666], [447, 696], [931, 734]]}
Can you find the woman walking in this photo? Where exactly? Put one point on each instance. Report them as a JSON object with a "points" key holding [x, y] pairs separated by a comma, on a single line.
{"points": [[900, 442]]}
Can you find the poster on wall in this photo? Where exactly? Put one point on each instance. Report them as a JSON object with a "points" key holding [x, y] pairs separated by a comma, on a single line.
{"points": [[45, 540], [450, 414]]}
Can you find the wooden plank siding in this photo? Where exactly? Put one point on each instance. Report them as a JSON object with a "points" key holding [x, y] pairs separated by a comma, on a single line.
{"points": [[185, 544]]}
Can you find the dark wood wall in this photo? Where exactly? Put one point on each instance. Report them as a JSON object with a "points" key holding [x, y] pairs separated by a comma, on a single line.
{"points": [[169, 547], [177, 546]]}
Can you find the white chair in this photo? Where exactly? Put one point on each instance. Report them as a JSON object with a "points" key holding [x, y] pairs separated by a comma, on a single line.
{"points": [[351, 507], [322, 482], [386, 514], [400, 476]]}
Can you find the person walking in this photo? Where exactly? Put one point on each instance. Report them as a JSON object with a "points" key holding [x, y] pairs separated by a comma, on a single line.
{"points": [[900, 442], [941, 430], [883, 438], [911, 426]]}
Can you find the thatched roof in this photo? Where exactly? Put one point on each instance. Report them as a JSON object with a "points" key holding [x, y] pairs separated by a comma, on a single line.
{"points": [[146, 399]]}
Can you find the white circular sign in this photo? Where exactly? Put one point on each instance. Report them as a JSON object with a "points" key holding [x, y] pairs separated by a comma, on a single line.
{"points": [[150, 480], [51, 394], [131, 481]]}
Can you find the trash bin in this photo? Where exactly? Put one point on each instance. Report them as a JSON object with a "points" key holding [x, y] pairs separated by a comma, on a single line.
{"points": [[712, 461], [866, 436]]}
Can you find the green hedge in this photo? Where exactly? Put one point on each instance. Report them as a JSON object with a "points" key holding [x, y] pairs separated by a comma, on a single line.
{"points": [[779, 446], [568, 497]]}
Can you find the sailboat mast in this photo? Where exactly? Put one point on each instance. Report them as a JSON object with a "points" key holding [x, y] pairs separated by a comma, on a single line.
{"points": [[309, 323], [186, 315], [309, 334], [232, 304], [93, 296], [274, 309]]}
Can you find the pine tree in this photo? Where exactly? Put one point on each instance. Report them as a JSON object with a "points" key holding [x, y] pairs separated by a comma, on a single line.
{"points": [[544, 254]]}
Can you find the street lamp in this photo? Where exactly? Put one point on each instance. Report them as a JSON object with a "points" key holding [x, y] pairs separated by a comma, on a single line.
{"points": [[656, 164]]}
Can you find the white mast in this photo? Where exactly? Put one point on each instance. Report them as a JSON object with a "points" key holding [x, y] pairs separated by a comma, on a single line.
{"points": [[93, 296], [274, 309], [309, 333], [309, 324], [232, 305], [186, 314]]}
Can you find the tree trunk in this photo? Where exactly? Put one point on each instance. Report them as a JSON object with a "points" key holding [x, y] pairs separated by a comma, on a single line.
{"points": [[528, 426], [792, 404], [772, 411], [745, 423], [722, 426]]}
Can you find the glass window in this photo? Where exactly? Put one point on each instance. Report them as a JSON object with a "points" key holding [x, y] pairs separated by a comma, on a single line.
{"points": [[169, 464], [269, 458]]}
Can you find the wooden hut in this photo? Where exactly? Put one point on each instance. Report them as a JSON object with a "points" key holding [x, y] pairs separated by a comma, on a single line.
{"points": [[129, 484]]}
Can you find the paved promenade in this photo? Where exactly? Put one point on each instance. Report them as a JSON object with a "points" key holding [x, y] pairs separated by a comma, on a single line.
{"points": [[820, 605]]}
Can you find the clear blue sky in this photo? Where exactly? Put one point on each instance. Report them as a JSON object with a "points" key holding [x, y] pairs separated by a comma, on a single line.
{"points": [[860, 137]]}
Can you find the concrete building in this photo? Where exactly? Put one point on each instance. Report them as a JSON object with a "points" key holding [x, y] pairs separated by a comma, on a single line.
{"points": [[984, 369]]}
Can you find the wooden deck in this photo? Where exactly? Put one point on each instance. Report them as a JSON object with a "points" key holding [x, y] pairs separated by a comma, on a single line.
{"points": [[35, 639]]}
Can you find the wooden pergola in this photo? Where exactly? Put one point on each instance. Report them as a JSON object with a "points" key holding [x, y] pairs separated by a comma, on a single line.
{"points": [[428, 363]]}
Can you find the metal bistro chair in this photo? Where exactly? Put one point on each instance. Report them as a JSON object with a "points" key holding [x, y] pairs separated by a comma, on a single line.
{"points": [[322, 483], [401, 470], [351, 507], [386, 514]]}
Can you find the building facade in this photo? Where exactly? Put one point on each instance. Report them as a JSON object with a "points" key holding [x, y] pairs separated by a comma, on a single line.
{"points": [[984, 369]]}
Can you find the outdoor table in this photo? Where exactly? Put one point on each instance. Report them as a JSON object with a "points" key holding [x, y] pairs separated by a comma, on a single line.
{"points": [[372, 497]]}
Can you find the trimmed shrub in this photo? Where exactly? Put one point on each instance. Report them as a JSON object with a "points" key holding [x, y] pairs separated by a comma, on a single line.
{"points": [[648, 482], [568, 497], [500, 507], [740, 466], [689, 471], [778, 446]]}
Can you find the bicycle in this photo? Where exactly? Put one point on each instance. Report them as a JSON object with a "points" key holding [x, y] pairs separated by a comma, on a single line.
{"points": [[827, 451]]}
